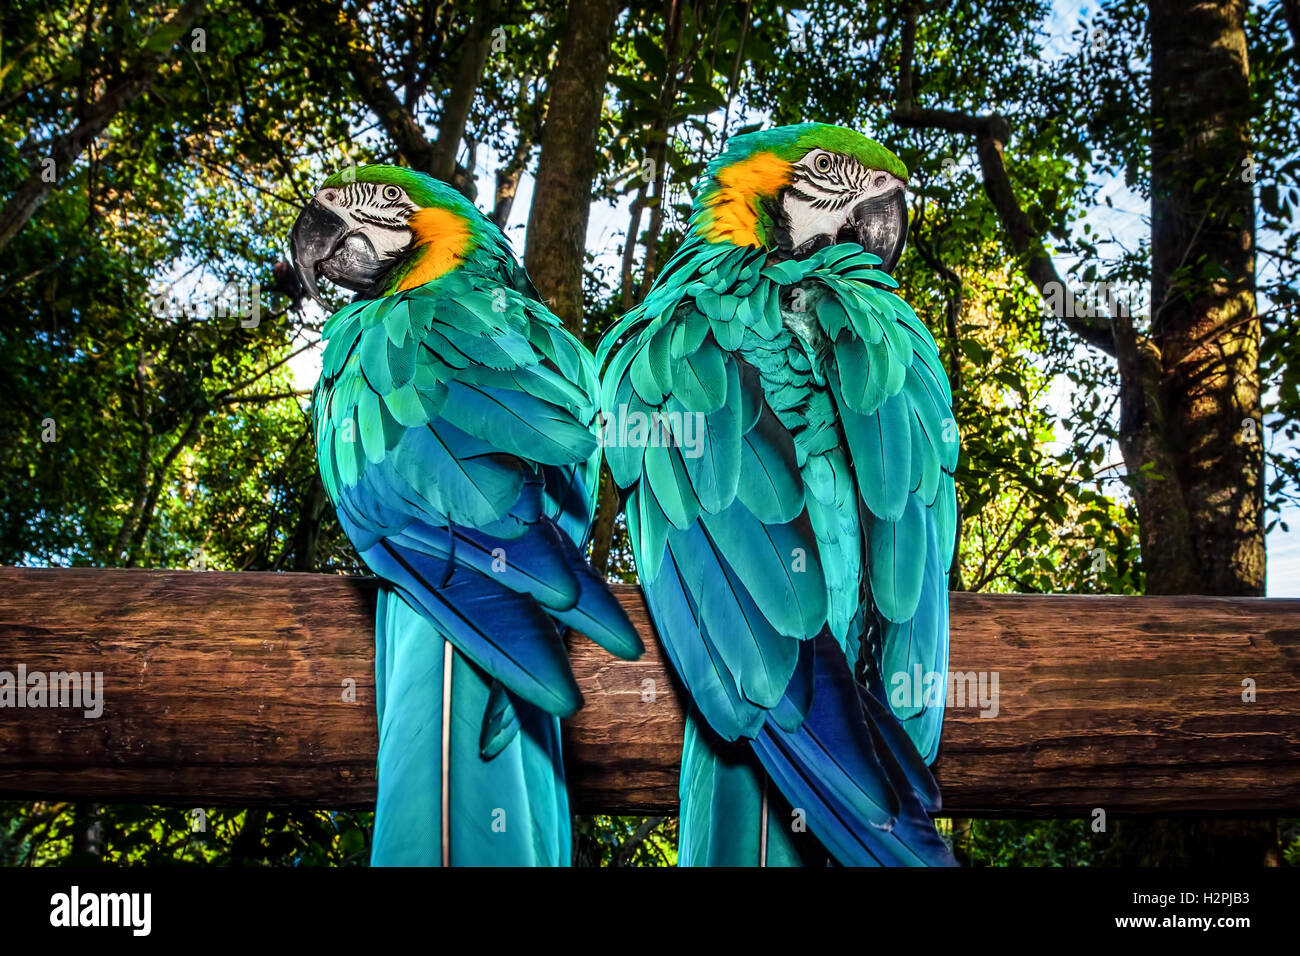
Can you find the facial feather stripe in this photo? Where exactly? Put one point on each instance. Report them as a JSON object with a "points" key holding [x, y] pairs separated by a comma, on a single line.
{"points": [[384, 206], [829, 180]]}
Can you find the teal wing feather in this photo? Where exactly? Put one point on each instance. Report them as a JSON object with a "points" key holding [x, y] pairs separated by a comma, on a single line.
{"points": [[759, 533], [905, 447], [456, 437], [456, 428]]}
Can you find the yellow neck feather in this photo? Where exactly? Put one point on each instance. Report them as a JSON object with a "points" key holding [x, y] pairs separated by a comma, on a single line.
{"points": [[442, 238], [740, 186]]}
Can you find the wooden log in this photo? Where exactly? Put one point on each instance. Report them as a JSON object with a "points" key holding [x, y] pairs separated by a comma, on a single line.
{"points": [[252, 689]]}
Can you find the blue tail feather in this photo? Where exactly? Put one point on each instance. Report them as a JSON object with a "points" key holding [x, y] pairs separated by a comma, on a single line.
{"points": [[838, 767], [504, 632]]}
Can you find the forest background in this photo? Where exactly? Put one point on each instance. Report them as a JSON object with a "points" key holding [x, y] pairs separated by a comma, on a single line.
{"points": [[1102, 242]]}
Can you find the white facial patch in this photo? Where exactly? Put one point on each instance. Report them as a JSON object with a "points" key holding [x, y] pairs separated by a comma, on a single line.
{"points": [[377, 210], [825, 190]]}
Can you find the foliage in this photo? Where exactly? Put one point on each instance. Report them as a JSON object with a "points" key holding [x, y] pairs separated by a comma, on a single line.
{"points": [[182, 440], [1040, 843], [625, 841], [136, 835]]}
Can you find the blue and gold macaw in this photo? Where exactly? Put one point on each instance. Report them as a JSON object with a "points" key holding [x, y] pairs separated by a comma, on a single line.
{"points": [[782, 426], [454, 423]]}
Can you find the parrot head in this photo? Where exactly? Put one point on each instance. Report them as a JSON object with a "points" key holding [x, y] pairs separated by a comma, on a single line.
{"points": [[380, 229], [796, 189]]}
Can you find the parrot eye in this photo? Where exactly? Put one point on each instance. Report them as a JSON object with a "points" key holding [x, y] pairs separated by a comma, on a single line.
{"points": [[880, 181], [822, 163], [392, 193]]}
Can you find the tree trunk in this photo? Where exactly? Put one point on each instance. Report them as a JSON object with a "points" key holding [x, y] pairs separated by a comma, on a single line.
{"points": [[556, 245], [307, 534], [602, 528], [507, 182], [1190, 426], [1204, 322]]}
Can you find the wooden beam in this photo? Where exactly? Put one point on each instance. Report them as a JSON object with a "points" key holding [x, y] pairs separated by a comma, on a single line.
{"points": [[223, 688]]}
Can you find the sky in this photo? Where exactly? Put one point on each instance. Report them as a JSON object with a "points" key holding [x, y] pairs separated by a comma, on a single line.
{"points": [[1125, 222]]}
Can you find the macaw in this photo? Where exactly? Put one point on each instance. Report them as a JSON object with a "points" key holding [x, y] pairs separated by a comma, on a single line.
{"points": [[454, 422], [788, 471]]}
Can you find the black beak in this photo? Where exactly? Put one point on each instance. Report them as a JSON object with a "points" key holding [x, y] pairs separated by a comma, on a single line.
{"points": [[881, 226], [323, 248]]}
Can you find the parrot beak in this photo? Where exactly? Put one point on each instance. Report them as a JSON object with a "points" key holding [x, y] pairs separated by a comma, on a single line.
{"points": [[880, 224], [323, 247]]}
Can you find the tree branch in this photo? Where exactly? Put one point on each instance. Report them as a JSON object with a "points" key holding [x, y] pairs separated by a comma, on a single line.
{"points": [[991, 134], [459, 99], [398, 122], [160, 475], [64, 149], [625, 852]]}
